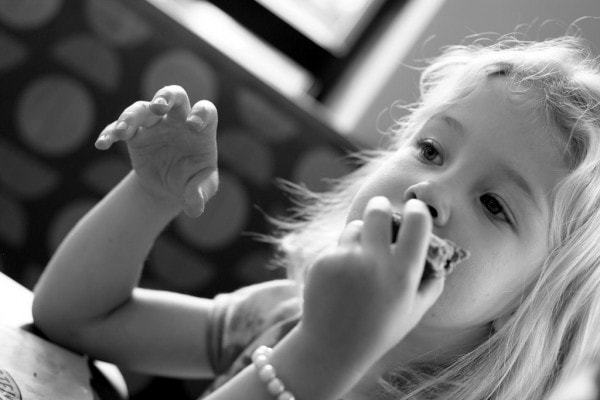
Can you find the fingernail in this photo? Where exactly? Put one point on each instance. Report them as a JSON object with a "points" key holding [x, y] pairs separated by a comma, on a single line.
{"points": [[379, 201], [415, 204], [161, 101], [196, 120], [121, 126], [102, 142]]}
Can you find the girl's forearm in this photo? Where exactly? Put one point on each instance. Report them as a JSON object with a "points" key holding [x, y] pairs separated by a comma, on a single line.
{"points": [[99, 263]]}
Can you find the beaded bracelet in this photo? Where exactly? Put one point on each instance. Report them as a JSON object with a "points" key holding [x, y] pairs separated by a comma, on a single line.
{"points": [[267, 374]]}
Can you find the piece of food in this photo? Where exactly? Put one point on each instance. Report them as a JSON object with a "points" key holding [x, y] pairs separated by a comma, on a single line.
{"points": [[442, 254]]}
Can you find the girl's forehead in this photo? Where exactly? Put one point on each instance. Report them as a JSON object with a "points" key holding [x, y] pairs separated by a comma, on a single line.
{"points": [[493, 104], [518, 97], [502, 101], [496, 128], [513, 97]]}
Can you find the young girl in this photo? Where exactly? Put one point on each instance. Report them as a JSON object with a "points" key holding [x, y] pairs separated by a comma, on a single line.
{"points": [[501, 156]]}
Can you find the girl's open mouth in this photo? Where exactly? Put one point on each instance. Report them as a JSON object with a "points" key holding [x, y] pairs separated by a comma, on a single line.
{"points": [[442, 254]]}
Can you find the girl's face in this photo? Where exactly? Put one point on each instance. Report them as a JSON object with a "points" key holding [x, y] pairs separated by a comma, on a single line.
{"points": [[486, 168]]}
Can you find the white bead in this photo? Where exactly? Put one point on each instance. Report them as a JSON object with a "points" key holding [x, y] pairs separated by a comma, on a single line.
{"points": [[266, 373], [260, 351], [260, 361], [275, 387], [286, 396]]}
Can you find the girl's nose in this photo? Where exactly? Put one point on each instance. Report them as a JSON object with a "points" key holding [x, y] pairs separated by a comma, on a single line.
{"points": [[431, 208], [432, 211], [432, 196]]}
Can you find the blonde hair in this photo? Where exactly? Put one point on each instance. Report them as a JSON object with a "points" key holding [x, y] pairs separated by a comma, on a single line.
{"points": [[554, 328]]}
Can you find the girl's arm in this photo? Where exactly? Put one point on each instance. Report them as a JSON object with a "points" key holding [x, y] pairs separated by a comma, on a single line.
{"points": [[86, 298], [360, 300]]}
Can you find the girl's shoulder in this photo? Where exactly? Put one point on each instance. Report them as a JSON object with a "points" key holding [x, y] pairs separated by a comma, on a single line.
{"points": [[255, 307]]}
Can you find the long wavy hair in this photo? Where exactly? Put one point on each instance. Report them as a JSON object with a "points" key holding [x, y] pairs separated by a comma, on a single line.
{"points": [[554, 328]]}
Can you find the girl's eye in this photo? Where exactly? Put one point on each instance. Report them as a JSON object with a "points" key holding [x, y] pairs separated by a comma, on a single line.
{"points": [[494, 207], [428, 151]]}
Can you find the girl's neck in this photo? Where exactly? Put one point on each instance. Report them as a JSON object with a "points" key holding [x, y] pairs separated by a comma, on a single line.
{"points": [[425, 346]]}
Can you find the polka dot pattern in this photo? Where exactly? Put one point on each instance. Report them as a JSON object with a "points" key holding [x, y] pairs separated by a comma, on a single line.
{"points": [[116, 23], [224, 218], [14, 221], [179, 67], [264, 118], [177, 267], [13, 52], [104, 174], [63, 111], [68, 68], [28, 14], [91, 58], [24, 174], [246, 155]]}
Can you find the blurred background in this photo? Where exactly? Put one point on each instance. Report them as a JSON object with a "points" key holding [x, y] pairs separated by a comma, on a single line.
{"points": [[298, 85]]}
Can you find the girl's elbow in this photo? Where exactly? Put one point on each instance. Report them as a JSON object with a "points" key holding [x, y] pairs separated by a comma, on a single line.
{"points": [[52, 322]]}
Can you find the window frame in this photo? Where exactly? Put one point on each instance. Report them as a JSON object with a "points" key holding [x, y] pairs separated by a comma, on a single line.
{"points": [[324, 65]]}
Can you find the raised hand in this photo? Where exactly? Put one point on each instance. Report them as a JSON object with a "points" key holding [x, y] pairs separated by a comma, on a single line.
{"points": [[366, 295], [172, 146]]}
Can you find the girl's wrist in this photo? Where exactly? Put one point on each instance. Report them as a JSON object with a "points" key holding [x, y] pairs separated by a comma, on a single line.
{"points": [[331, 370], [152, 201]]}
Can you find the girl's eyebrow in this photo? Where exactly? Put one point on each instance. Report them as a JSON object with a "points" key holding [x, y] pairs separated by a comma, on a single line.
{"points": [[452, 122], [515, 176]]}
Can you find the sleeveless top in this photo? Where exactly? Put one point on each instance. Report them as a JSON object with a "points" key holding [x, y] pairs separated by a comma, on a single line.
{"points": [[259, 314]]}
